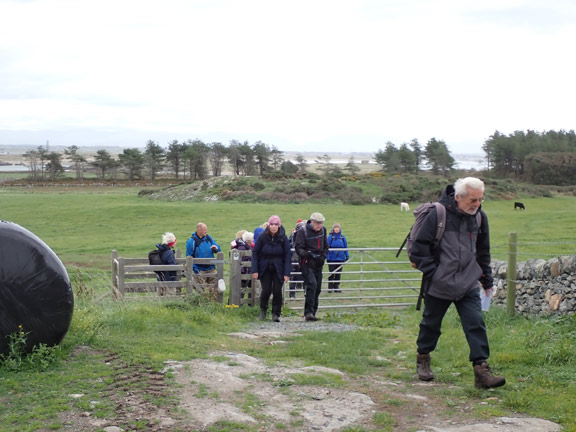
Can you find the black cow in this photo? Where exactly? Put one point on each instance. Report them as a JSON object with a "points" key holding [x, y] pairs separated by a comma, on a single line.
{"points": [[519, 205]]}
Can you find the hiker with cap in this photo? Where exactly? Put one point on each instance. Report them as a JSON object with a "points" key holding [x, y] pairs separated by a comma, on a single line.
{"points": [[452, 271], [312, 248], [271, 265]]}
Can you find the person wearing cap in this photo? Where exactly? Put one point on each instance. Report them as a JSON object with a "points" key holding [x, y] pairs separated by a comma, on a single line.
{"points": [[312, 248], [166, 249], [271, 264]]}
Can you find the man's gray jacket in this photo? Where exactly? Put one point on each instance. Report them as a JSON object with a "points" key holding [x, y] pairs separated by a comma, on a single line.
{"points": [[462, 256]]}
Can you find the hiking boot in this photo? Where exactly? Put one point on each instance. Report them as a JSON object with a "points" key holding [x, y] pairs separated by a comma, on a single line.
{"points": [[262, 316], [483, 377], [275, 318], [309, 317], [423, 367]]}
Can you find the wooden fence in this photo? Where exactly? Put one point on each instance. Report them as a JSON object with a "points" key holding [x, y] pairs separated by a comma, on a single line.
{"points": [[136, 275], [372, 277]]}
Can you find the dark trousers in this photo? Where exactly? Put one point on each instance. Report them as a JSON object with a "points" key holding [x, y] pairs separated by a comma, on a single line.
{"points": [[334, 278], [313, 287], [473, 325], [271, 285], [295, 279]]}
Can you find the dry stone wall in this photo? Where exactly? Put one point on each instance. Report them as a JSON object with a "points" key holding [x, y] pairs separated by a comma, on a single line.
{"points": [[542, 287]]}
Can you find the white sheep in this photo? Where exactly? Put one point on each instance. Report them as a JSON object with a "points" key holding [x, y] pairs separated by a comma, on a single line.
{"points": [[404, 206]]}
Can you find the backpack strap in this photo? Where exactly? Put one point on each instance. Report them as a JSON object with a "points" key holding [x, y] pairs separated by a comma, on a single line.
{"points": [[479, 220], [403, 244], [440, 222], [440, 228], [195, 246], [196, 243]]}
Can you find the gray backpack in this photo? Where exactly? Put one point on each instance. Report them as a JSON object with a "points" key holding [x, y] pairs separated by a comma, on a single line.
{"points": [[420, 214]]}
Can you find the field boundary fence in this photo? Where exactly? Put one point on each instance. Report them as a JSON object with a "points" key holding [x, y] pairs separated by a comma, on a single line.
{"points": [[515, 250], [137, 276], [372, 277]]}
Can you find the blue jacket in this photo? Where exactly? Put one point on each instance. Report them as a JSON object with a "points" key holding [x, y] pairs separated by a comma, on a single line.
{"points": [[201, 248], [337, 241], [257, 232], [168, 258], [272, 251]]}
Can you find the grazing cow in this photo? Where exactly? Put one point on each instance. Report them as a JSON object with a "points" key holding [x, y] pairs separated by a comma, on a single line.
{"points": [[404, 206], [519, 205]]}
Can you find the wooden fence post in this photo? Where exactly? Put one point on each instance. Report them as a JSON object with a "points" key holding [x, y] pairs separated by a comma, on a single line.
{"points": [[235, 277], [121, 279], [511, 272], [219, 275], [115, 290], [189, 276]]}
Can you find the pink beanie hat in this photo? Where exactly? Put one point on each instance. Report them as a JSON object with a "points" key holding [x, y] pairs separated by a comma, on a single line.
{"points": [[274, 220]]}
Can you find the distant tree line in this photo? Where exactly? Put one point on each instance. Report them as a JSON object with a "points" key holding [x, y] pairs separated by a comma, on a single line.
{"points": [[189, 160], [541, 158], [411, 157]]}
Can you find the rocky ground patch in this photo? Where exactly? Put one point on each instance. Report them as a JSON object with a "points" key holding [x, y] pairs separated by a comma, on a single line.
{"points": [[234, 388]]}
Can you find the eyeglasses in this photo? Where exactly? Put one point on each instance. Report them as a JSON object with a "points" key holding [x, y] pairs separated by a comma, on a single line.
{"points": [[476, 200]]}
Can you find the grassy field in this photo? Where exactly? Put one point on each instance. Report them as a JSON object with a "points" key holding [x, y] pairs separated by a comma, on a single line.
{"points": [[83, 226]]}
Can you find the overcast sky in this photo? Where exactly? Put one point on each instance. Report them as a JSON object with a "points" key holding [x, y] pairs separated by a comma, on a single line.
{"points": [[301, 75]]}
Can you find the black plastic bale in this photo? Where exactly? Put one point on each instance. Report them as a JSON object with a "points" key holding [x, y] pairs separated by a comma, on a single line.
{"points": [[35, 292]]}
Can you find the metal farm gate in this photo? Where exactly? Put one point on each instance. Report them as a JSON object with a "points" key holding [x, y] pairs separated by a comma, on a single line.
{"points": [[372, 277]]}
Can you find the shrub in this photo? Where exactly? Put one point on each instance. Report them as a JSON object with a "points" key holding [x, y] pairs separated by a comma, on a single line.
{"points": [[258, 186], [279, 175], [145, 192]]}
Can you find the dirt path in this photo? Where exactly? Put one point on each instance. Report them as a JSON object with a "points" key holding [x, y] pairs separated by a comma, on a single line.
{"points": [[237, 388]]}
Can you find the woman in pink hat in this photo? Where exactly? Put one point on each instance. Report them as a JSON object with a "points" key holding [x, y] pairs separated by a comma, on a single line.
{"points": [[271, 264]]}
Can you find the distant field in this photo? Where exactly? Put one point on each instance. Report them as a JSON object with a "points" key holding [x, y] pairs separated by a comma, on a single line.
{"points": [[83, 226]]}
